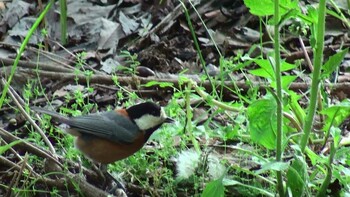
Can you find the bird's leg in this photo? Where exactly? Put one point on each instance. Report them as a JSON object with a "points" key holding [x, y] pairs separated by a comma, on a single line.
{"points": [[118, 189], [106, 177], [100, 173]]}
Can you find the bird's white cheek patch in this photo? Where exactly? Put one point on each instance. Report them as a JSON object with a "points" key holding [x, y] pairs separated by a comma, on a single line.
{"points": [[148, 121]]}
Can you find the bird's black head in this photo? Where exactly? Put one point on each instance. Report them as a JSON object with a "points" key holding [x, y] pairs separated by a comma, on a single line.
{"points": [[137, 111], [148, 116]]}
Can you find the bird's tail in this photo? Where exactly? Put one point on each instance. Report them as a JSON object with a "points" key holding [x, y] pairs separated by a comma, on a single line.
{"points": [[55, 116]]}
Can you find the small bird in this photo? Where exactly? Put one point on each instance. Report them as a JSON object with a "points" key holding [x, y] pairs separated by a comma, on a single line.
{"points": [[113, 135]]}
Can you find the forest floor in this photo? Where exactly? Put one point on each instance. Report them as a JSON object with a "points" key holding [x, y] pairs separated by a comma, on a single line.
{"points": [[212, 67]]}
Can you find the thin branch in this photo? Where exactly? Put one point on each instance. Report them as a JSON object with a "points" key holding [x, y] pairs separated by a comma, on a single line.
{"points": [[27, 116]]}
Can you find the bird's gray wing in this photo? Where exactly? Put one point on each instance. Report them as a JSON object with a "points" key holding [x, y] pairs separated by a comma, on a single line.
{"points": [[108, 125]]}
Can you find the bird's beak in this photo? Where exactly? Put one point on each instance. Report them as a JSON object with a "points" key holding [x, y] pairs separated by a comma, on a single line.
{"points": [[169, 120]]}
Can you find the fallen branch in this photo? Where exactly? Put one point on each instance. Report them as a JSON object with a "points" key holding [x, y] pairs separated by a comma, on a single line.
{"points": [[174, 79]]}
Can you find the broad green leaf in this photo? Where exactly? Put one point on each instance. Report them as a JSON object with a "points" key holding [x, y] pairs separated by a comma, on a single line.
{"points": [[312, 13], [287, 66], [261, 7], [260, 72], [333, 62], [262, 122], [266, 70], [286, 81], [274, 165], [314, 158], [214, 188], [266, 7], [336, 134], [336, 114], [230, 182], [342, 155], [297, 177]]}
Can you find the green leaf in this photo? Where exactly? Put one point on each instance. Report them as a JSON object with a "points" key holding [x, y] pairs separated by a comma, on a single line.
{"points": [[261, 7], [230, 182], [214, 188], [262, 122], [314, 158], [333, 62], [266, 70], [266, 7], [160, 84], [286, 81], [312, 13], [8, 146], [274, 165], [297, 177], [336, 134], [296, 108], [287, 66], [336, 114]]}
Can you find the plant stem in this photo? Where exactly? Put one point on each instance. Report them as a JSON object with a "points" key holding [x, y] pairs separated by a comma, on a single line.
{"points": [[21, 50], [318, 58], [196, 44], [189, 115], [277, 65], [63, 21]]}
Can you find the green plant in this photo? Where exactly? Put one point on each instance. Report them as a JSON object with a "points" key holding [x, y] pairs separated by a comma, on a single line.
{"points": [[298, 178], [21, 50], [271, 124], [272, 115], [131, 61]]}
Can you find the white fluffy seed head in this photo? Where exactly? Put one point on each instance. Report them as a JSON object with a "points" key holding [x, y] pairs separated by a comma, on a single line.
{"points": [[186, 163]]}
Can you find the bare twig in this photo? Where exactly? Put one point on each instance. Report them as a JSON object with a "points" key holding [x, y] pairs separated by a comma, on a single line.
{"points": [[8, 137], [34, 65], [163, 25], [70, 180], [174, 79], [26, 115]]}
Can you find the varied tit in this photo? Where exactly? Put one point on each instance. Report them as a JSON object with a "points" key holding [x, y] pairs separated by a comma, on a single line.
{"points": [[113, 135]]}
